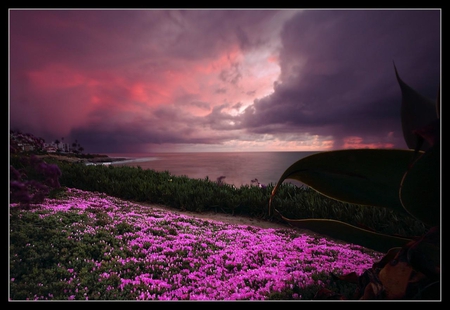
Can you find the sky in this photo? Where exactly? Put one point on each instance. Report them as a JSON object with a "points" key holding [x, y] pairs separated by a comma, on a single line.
{"points": [[172, 80]]}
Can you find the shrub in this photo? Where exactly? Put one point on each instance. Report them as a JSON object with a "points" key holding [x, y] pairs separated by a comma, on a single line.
{"points": [[32, 180]]}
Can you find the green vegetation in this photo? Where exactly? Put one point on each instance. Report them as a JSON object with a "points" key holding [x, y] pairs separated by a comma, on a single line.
{"points": [[203, 195]]}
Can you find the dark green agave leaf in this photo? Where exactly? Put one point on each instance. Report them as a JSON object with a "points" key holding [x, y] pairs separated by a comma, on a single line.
{"points": [[416, 112], [350, 234], [361, 176], [420, 188]]}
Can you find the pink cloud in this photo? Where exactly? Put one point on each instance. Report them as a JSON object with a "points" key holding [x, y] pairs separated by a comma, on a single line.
{"points": [[55, 76], [355, 142]]}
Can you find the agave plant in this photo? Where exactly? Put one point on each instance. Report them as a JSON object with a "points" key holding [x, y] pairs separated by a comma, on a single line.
{"points": [[403, 180]]}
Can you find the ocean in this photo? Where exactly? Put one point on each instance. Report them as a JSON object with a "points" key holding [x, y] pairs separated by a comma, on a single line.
{"points": [[238, 168]]}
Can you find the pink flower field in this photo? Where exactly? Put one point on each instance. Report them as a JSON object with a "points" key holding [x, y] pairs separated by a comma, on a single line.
{"points": [[135, 252]]}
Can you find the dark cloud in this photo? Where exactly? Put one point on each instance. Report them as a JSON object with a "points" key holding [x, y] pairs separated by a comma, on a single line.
{"points": [[338, 77], [134, 140], [201, 104], [220, 120], [205, 33], [250, 93], [221, 90], [237, 106], [231, 75], [166, 125]]}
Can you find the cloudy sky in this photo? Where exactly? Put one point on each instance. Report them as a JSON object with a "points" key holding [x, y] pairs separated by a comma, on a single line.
{"points": [[219, 80]]}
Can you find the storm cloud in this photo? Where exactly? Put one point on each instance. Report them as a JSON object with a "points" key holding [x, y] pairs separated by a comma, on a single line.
{"points": [[182, 80]]}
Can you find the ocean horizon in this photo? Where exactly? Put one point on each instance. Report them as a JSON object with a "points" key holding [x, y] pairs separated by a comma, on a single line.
{"points": [[237, 168]]}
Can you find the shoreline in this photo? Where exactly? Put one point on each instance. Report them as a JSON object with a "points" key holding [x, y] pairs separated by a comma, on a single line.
{"points": [[94, 160]]}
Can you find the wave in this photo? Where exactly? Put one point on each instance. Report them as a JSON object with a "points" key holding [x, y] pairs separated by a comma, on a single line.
{"points": [[116, 161], [134, 160]]}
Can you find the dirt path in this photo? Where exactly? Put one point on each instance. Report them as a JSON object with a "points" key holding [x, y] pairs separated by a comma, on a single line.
{"points": [[220, 217]]}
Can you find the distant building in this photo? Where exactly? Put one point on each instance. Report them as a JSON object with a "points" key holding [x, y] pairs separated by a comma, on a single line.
{"points": [[50, 149], [53, 147], [28, 147], [25, 147]]}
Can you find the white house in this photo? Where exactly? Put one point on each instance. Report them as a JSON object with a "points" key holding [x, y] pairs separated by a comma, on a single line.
{"points": [[53, 147]]}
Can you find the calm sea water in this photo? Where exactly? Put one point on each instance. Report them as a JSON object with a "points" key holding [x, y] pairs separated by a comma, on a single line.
{"points": [[239, 168]]}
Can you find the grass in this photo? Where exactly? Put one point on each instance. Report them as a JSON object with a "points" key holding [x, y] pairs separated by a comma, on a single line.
{"points": [[91, 246]]}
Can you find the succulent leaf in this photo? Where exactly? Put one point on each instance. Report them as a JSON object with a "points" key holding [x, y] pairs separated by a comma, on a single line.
{"points": [[360, 176], [349, 233], [416, 112], [420, 188]]}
